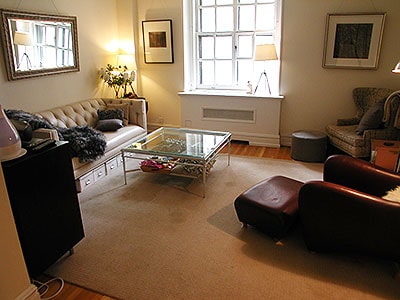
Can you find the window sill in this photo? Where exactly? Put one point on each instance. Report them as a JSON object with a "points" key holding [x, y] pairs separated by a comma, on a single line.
{"points": [[229, 94]]}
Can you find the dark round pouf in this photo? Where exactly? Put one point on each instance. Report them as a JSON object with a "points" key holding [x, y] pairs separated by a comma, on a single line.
{"points": [[309, 146]]}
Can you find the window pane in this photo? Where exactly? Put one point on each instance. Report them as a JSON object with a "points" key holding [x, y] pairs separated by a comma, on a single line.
{"points": [[68, 39], [246, 1], [246, 17], [59, 58], [223, 72], [265, 17], [207, 17], [245, 46], [244, 71], [207, 72], [60, 39], [224, 18], [50, 54], [39, 34], [222, 2], [50, 36], [207, 2], [206, 47], [223, 47], [70, 58], [264, 39]]}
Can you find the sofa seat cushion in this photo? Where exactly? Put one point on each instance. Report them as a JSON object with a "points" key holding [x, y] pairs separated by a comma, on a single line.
{"points": [[122, 135], [116, 140], [347, 134]]}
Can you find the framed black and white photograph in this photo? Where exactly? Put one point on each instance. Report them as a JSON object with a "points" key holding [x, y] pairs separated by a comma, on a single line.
{"points": [[157, 41], [353, 41]]}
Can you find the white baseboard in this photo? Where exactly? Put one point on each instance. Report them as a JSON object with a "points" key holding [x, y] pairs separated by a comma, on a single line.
{"points": [[31, 293], [153, 126], [254, 139], [286, 141]]}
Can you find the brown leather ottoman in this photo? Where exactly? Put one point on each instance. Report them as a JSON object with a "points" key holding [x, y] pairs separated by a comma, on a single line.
{"points": [[271, 205]]}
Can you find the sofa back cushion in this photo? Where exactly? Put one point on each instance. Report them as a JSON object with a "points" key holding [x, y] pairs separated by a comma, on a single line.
{"points": [[75, 114], [85, 112], [136, 112]]}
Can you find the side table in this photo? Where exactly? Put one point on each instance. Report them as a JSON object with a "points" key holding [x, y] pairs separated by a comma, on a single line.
{"points": [[385, 153]]}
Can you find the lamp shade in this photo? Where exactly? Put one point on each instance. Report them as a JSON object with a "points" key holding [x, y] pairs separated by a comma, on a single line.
{"points": [[266, 52], [22, 38], [396, 69], [10, 142], [127, 60]]}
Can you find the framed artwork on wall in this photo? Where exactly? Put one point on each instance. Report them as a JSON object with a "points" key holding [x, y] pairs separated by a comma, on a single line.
{"points": [[157, 42], [353, 41]]}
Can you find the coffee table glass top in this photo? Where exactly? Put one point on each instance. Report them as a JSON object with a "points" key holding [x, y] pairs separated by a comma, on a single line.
{"points": [[180, 142]]}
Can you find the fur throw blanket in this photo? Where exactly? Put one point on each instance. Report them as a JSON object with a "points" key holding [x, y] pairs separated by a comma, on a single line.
{"points": [[86, 143]]}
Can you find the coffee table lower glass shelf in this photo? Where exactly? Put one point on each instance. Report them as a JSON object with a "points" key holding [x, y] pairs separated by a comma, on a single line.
{"points": [[178, 151]]}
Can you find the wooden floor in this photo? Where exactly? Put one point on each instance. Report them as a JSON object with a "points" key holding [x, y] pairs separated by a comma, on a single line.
{"points": [[73, 292]]}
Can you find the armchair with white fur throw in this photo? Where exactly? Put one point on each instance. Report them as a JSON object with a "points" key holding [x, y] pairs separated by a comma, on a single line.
{"points": [[375, 119], [353, 210]]}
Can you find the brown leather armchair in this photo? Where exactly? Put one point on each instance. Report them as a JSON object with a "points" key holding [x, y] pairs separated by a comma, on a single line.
{"points": [[346, 212]]}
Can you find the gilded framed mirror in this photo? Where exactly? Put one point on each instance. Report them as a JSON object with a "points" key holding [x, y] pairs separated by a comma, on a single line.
{"points": [[37, 44]]}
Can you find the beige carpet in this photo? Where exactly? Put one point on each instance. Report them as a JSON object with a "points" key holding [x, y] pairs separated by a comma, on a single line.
{"points": [[151, 239]]}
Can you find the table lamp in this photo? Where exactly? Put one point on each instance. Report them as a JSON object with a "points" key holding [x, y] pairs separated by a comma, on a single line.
{"points": [[23, 39], [396, 69], [265, 52]]}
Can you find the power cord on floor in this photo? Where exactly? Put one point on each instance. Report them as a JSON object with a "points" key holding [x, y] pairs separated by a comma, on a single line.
{"points": [[43, 287]]}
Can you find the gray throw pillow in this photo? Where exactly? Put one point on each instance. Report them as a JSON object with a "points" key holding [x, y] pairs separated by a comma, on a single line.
{"points": [[109, 125], [110, 114], [372, 119]]}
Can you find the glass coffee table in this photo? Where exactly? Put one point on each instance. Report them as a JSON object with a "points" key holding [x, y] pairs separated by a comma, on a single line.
{"points": [[178, 151]]}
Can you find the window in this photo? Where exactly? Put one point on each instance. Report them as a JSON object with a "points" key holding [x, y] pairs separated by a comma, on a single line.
{"points": [[54, 42], [51, 46], [224, 36]]}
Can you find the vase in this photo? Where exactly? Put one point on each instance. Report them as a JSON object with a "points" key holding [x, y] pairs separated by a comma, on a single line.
{"points": [[10, 142]]}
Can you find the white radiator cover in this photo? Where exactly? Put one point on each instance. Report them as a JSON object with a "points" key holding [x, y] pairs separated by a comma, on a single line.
{"points": [[251, 118]]}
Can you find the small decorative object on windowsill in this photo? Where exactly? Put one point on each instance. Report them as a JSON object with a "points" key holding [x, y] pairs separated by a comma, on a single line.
{"points": [[249, 88], [120, 79]]}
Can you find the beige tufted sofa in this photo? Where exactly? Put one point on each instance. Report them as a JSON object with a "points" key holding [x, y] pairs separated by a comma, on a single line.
{"points": [[85, 113]]}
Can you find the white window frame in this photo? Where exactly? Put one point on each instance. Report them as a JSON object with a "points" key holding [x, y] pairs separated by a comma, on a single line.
{"points": [[191, 43]]}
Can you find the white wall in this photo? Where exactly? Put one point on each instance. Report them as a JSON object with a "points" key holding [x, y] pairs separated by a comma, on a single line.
{"points": [[160, 83], [314, 96], [14, 280], [97, 34]]}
